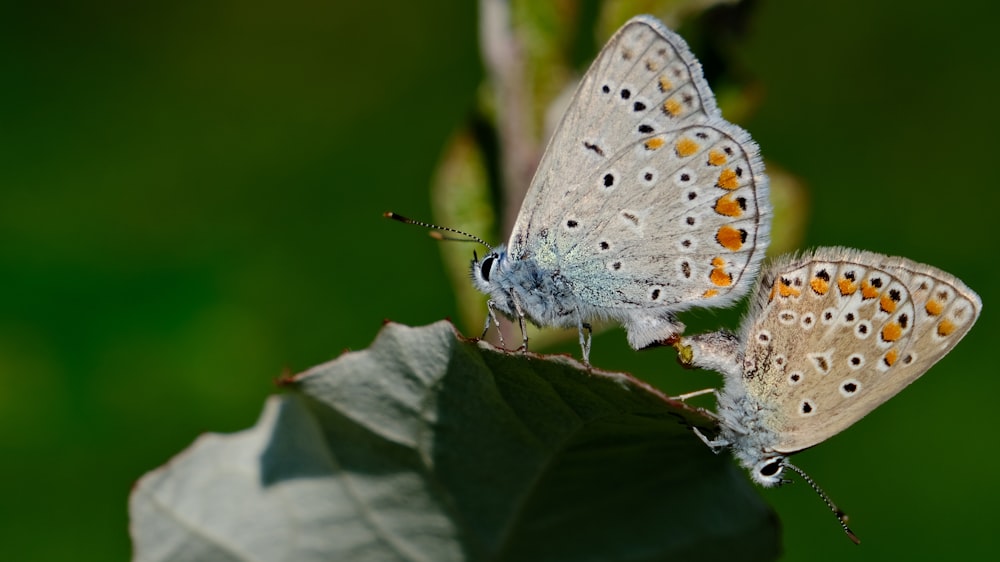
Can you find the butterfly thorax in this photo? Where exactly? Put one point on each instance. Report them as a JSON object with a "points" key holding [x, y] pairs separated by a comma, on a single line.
{"points": [[746, 429], [522, 286]]}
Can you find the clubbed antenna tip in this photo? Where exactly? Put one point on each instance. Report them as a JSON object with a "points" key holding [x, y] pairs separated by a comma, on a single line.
{"points": [[841, 516]]}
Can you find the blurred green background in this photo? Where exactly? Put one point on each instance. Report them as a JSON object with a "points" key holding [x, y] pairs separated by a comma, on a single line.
{"points": [[191, 199]]}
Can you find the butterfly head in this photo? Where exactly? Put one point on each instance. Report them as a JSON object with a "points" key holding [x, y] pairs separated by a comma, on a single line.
{"points": [[484, 271], [768, 470]]}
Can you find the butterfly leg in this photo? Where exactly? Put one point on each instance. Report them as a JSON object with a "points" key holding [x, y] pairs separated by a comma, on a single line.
{"points": [[716, 445], [520, 320], [684, 397], [492, 317], [585, 338]]}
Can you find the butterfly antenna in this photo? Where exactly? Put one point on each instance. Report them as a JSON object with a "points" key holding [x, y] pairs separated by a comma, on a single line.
{"points": [[401, 218], [841, 516], [445, 238]]}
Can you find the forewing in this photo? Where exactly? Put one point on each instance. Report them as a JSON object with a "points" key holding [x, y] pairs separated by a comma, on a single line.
{"points": [[644, 189]]}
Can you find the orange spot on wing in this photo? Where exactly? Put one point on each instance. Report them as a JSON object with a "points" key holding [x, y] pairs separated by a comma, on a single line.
{"points": [[786, 289], [886, 304], [654, 143], [672, 108], [890, 357], [717, 261], [934, 307], [716, 158], [729, 238], [727, 206], [685, 147], [666, 85], [720, 278], [847, 287], [819, 285], [709, 294], [892, 332], [868, 291], [945, 328], [728, 179]]}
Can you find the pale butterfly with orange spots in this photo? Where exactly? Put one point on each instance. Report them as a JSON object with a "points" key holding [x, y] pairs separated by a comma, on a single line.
{"points": [[646, 202], [829, 337]]}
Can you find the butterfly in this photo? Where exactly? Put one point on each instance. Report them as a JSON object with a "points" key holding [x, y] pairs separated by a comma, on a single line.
{"points": [[830, 335], [645, 203]]}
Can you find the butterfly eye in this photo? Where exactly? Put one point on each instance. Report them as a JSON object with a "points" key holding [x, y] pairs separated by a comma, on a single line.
{"points": [[771, 468], [768, 471], [486, 266]]}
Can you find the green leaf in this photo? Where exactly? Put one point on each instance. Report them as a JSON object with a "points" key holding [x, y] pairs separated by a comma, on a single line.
{"points": [[431, 447]]}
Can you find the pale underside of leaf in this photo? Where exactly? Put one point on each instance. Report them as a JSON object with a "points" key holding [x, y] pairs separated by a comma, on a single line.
{"points": [[427, 446]]}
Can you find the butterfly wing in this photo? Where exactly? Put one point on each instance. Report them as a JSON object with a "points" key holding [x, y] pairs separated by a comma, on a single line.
{"points": [[646, 198], [834, 334]]}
